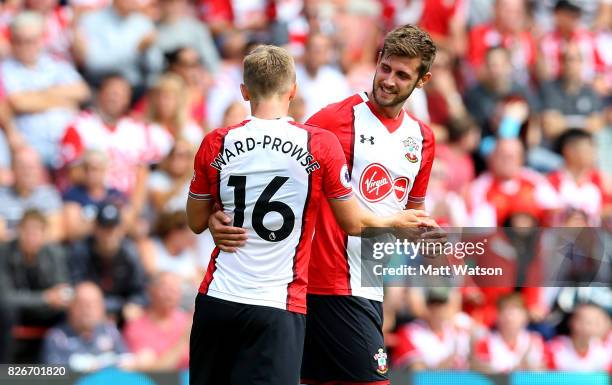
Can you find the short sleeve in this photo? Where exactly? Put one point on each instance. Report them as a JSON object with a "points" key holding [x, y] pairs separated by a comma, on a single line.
{"points": [[419, 187], [336, 177], [200, 188]]}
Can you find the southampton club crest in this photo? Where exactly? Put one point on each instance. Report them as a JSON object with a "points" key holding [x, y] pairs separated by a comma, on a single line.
{"points": [[412, 148], [381, 359]]}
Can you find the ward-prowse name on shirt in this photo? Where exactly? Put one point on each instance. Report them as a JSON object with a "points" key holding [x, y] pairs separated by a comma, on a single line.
{"points": [[299, 153]]}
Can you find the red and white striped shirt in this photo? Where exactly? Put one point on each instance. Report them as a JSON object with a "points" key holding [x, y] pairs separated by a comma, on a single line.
{"points": [[502, 358], [271, 176], [390, 162], [128, 144], [561, 355]]}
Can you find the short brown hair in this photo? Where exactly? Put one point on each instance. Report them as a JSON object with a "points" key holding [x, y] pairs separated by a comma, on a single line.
{"points": [[268, 70], [511, 299], [33, 214], [169, 221], [412, 42]]}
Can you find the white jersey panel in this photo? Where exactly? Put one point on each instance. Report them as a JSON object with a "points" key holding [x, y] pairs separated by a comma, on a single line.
{"points": [[266, 176]]}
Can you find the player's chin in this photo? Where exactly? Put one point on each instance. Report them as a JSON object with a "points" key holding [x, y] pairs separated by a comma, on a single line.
{"points": [[385, 99]]}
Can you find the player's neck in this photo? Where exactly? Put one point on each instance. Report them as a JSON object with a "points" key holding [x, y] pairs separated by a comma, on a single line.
{"points": [[269, 109], [391, 112]]}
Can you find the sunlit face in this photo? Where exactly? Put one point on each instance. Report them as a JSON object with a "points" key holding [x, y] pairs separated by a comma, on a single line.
{"points": [[114, 97], [587, 322], [26, 44], [95, 170], [166, 103], [31, 236], [87, 308], [512, 318], [166, 293], [395, 79]]}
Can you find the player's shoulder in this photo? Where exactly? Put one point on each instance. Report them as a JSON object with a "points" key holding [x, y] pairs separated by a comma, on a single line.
{"points": [[318, 136], [335, 113], [426, 131]]}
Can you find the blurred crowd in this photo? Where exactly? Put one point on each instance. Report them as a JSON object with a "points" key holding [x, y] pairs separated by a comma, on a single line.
{"points": [[104, 103]]}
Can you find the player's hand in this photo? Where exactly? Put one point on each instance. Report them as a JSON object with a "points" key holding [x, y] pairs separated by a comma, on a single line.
{"points": [[226, 237], [410, 218]]}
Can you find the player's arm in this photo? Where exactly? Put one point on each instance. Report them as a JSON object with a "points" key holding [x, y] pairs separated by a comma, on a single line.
{"points": [[198, 213], [200, 200], [352, 218]]}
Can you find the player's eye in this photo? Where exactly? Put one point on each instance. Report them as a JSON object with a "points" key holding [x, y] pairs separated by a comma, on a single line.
{"points": [[385, 68]]}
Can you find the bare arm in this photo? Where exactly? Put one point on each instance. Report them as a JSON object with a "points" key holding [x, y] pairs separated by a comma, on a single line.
{"points": [[352, 218], [76, 92], [38, 101], [198, 213]]}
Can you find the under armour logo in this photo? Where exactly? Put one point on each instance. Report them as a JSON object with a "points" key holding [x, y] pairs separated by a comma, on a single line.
{"points": [[363, 139]]}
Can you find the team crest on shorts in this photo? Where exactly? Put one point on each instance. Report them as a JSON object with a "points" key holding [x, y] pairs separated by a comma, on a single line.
{"points": [[381, 359], [412, 148]]}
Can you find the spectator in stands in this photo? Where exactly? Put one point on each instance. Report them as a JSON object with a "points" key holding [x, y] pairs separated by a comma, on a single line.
{"points": [[463, 138], [169, 112], [446, 22], [83, 201], [496, 86], [510, 347], [177, 29], [226, 87], [160, 337], [320, 83], [493, 194], [29, 192], [447, 207], [114, 39], [127, 142], [87, 341], [186, 63], [172, 249], [569, 101], [508, 29], [579, 184], [439, 341], [44, 93], [169, 184], [236, 113], [226, 15], [567, 31], [517, 249], [34, 283], [444, 101], [584, 349], [110, 260]]}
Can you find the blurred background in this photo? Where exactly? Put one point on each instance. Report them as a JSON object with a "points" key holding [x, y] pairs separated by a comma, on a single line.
{"points": [[104, 103]]}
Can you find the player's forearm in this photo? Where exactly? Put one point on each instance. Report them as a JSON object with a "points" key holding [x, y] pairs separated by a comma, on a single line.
{"points": [[198, 213], [353, 218]]}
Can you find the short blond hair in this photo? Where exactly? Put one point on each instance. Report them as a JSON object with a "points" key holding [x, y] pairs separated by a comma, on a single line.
{"points": [[411, 42], [268, 71], [173, 83]]}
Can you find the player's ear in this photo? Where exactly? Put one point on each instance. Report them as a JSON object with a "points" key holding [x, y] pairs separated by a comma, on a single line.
{"points": [[423, 80], [379, 57], [293, 91], [245, 93]]}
